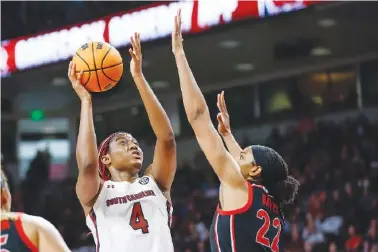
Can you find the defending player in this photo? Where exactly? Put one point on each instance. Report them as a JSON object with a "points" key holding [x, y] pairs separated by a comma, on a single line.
{"points": [[254, 183], [26, 233], [125, 212]]}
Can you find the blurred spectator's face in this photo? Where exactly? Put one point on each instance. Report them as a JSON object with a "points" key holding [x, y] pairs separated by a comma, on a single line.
{"points": [[332, 247], [294, 232], [351, 231], [307, 247], [335, 194]]}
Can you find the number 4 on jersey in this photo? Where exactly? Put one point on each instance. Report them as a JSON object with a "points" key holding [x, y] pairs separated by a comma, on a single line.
{"points": [[137, 220], [261, 238]]}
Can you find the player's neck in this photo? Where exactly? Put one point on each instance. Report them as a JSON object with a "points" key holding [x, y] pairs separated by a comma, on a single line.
{"points": [[120, 176]]}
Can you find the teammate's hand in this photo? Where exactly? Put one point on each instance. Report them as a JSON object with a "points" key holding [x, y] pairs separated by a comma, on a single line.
{"points": [[75, 79], [177, 46], [223, 117], [136, 56]]}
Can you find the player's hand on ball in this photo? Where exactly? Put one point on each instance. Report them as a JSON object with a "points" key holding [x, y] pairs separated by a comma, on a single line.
{"points": [[177, 45], [136, 56], [80, 90], [223, 117]]}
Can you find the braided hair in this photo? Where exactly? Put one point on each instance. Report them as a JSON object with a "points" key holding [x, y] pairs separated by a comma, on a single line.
{"points": [[275, 174], [103, 150]]}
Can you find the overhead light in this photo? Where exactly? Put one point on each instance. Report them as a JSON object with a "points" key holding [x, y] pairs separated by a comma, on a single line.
{"points": [[244, 67], [49, 129], [99, 118], [229, 44], [134, 111], [320, 51], [160, 84], [326, 22], [59, 81]]}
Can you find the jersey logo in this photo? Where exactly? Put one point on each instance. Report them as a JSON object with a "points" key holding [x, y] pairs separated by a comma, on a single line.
{"points": [[110, 186], [144, 180]]}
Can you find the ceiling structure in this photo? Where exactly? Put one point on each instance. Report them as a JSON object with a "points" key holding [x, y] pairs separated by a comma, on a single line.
{"points": [[242, 53]]}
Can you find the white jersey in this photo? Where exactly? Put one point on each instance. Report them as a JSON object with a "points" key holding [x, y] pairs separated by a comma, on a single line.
{"points": [[131, 217]]}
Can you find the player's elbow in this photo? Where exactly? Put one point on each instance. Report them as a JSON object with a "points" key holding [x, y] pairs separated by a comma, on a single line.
{"points": [[86, 163], [197, 114]]}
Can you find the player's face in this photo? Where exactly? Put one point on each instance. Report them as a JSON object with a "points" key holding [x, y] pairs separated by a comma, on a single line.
{"points": [[125, 153], [6, 199], [246, 161]]}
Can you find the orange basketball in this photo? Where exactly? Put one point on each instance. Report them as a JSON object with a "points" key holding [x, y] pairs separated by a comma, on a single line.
{"points": [[101, 64]]}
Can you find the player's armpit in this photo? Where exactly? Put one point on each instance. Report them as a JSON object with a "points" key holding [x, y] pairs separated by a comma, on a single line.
{"points": [[88, 186], [219, 158], [164, 163], [49, 238]]}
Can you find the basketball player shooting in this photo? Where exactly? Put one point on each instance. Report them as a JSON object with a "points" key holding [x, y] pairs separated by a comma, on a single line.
{"points": [[26, 233], [254, 181], [126, 212]]}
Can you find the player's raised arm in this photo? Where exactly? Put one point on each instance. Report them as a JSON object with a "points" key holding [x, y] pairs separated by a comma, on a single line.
{"points": [[88, 183], [224, 127], [199, 118], [164, 163]]}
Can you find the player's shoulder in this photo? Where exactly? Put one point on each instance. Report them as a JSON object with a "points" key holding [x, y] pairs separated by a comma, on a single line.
{"points": [[259, 187], [35, 222]]}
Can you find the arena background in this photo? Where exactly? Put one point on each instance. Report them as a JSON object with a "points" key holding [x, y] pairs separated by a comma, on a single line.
{"points": [[301, 77]]}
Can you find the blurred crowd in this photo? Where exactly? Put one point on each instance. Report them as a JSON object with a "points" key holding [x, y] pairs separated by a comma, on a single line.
{"points": [[336, 210], [31, 17]]}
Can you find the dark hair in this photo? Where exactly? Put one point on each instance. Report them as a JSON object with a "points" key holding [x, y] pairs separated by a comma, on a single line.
{"points": [[275, 175], [284, 191], [103, 149]]}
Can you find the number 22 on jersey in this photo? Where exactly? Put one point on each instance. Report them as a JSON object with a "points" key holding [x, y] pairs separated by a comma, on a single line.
{"points": [[261, 238], [137, 220]]}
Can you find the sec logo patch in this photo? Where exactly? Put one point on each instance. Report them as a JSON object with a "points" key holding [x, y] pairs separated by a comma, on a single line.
{"points": [[144, 180]]}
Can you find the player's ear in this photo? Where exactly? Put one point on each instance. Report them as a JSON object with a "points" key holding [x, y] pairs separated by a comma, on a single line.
{"points": [[4, 197], [106, 159], [255, 171]]}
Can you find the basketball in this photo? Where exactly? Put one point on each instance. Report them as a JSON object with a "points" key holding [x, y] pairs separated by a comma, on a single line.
{"points": [[101, 64]]}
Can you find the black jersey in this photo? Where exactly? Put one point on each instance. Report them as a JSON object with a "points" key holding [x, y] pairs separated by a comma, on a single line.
{"points": [[255, 227], [13, 237]]}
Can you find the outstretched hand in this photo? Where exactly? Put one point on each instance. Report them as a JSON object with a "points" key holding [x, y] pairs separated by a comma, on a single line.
{"points": [[75, 79], [224, 127], [136, 55], [177, 45]]}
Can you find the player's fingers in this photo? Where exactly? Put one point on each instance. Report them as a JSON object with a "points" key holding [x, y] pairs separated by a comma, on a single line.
{"points": [[79, 76], [176, 25], [69, 69], [219, 118], [73, 71], [139, 45], [179, 18], [224, 102], [132, 53], [132, 42], [218, 102]]}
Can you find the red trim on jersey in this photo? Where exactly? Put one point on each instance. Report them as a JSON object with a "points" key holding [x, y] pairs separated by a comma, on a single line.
{"points": [[23, 236], [5, 224], [232, 233], [92, 215], [169, 206], [242, 209], [216, 233]]}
